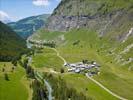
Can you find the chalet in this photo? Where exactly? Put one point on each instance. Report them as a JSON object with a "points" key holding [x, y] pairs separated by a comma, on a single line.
{"points": [[73, 65], [77, 71]]}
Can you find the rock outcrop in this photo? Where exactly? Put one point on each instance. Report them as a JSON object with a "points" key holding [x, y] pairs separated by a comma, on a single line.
{"points": [[99, 15]]}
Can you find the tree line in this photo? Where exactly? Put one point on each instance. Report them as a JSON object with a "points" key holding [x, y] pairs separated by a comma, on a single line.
{"points": [[39, 90], [61, 91]]}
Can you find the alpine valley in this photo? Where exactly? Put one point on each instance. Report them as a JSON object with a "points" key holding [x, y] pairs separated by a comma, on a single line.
{"points": [[82, 51]]}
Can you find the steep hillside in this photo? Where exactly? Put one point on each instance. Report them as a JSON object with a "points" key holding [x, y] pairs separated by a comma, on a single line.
{"points": [[11, 45], [103, 16], [28, 26], [99, 30], [112, 21]]}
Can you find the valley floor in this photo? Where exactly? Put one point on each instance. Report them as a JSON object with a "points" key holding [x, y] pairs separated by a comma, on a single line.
{"points": [[112, 76], [112, 90]]}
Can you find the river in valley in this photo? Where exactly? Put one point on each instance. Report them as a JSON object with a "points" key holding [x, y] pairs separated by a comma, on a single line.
{"points": [[46, 83]]}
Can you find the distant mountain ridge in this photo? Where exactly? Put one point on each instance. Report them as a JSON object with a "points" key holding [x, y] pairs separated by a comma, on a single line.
{"points": [[7, 21], [28, 26]]}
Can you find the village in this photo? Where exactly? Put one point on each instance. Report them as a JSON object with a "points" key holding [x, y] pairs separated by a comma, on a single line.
{"points": [[90, 68]]}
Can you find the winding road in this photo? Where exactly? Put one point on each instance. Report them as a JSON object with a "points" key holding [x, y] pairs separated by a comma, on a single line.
{"points": [[106, 89], [58, 54], [96, 82]]}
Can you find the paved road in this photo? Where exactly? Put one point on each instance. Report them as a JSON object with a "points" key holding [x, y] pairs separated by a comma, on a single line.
{"points": [[99, 84]]}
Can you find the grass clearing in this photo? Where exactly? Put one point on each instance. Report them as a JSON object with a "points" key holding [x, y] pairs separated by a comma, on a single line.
{"points": [[14, 89], [48, 58], [86, 86]]}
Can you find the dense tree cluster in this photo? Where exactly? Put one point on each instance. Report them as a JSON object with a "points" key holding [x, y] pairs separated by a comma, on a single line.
{"points": [[39, 91], [11, 45], [76, 42], [28, 68], [6, 77], [61, 91], [51, 44]]}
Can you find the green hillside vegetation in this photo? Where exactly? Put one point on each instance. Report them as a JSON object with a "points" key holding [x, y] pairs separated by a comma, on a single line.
{"points": [[87, 87], [42, 33], [11, 45], [83, 44], [76, 86], [78, 7], [49, 59], [14, 86], [84, 39], [94, 31], [28, 26]]}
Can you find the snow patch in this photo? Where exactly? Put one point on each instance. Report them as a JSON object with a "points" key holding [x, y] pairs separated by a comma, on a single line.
{"points": [[129, 33]]}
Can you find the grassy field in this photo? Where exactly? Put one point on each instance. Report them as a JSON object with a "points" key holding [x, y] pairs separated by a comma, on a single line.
{"points": [[51, 35], [14, 89], [84, 85], [114, 76], [92, 89], [48, 59]]}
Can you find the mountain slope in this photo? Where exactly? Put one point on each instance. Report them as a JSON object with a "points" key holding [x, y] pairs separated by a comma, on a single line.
{"points": [[28, 26], [11, 45], [99, 30], [111, 20], [103, 16]]}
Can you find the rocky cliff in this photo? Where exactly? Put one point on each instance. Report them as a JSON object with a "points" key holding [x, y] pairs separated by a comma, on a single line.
{"points": [[103, 16]]}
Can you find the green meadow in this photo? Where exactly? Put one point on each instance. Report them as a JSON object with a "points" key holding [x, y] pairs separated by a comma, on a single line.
{"points": [[113, 76], [83, 85], [81, 44], [77, 81], [14, 88], [47, 59]]}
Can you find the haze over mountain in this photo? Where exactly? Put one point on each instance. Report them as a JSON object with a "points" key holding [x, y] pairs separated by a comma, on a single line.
{"points": [[27, 26], [4, 17]]}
